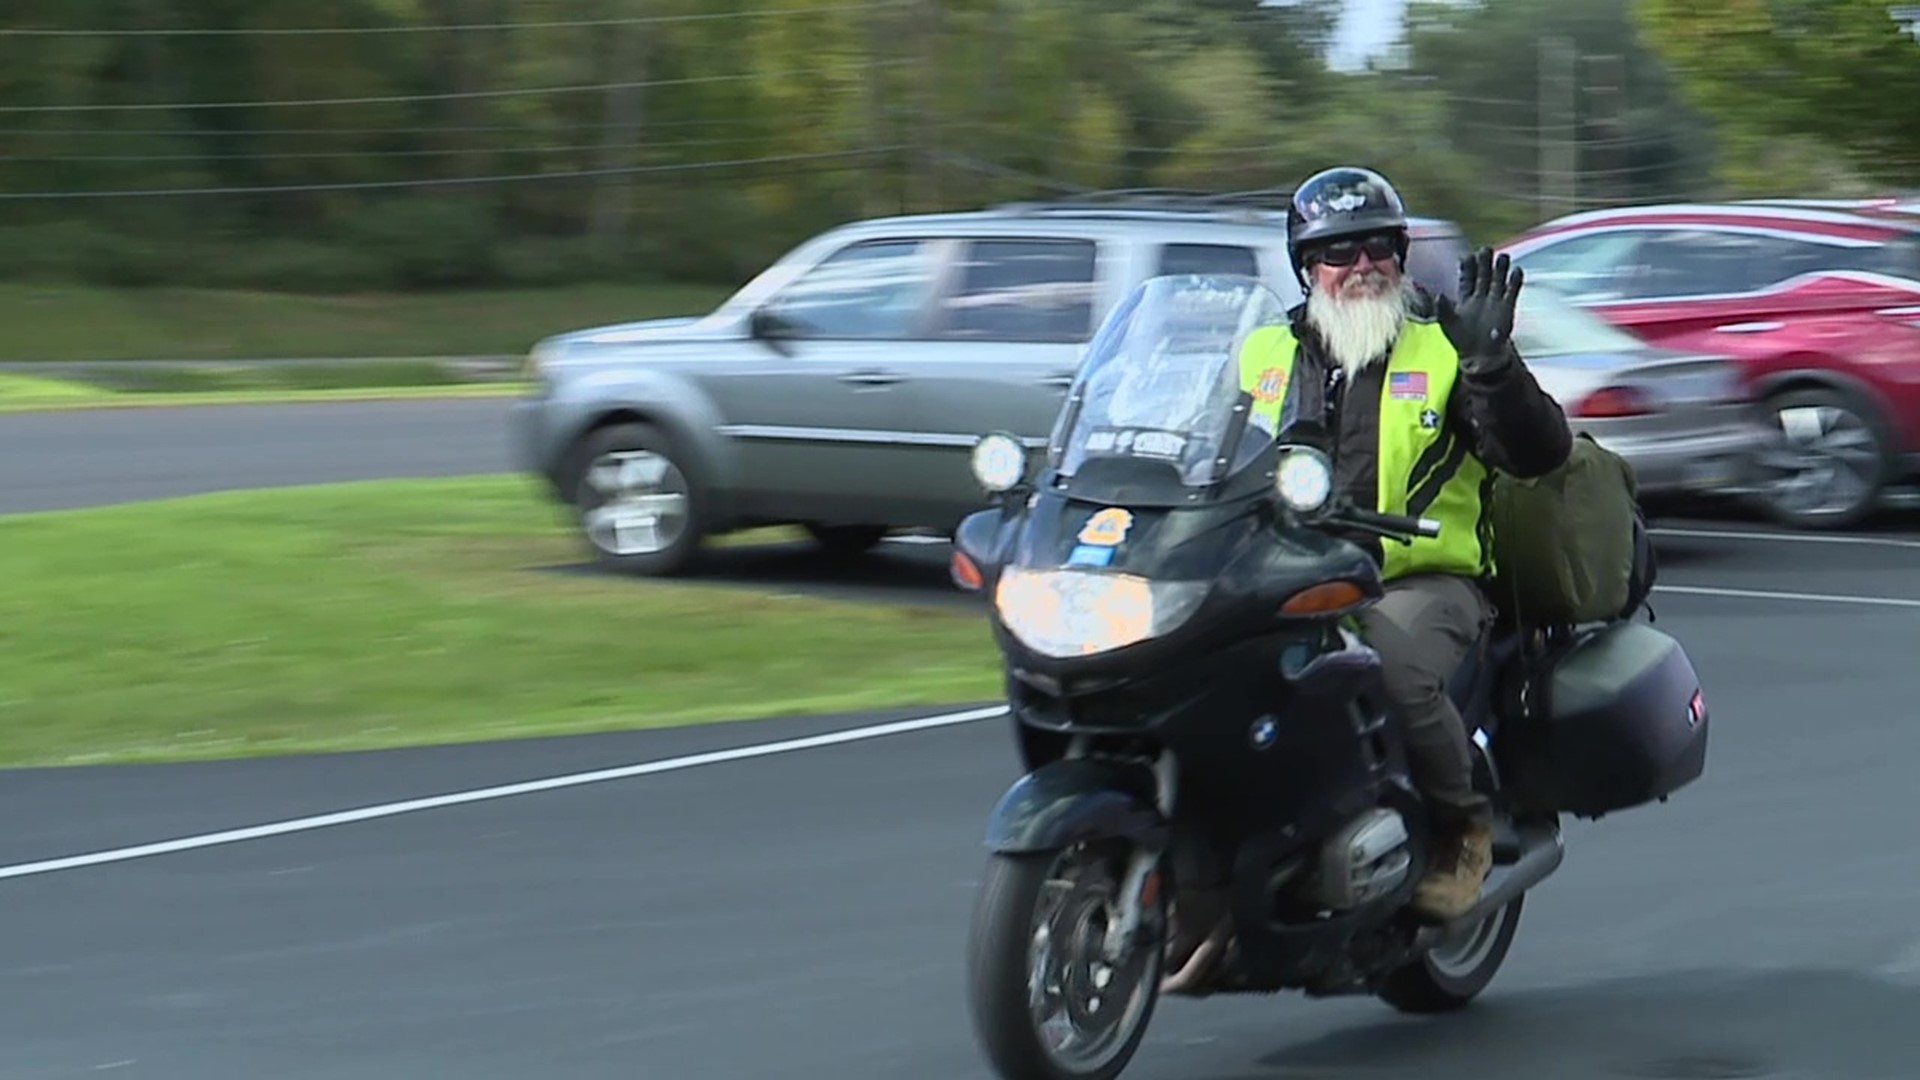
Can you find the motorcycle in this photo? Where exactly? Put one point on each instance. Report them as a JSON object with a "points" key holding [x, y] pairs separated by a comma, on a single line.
{"points": [[1203, 730]]}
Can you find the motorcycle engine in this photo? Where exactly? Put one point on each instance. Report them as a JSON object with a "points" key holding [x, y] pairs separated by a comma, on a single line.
{"points": [[1363, 860]]}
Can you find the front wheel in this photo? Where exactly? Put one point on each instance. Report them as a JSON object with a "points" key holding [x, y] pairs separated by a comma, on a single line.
{"points": [[637, 500], [1047, 1002]]}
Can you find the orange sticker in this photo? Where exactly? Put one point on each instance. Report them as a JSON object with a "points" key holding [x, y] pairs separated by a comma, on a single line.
{"points": [[1271, 385], [1106, 528]]}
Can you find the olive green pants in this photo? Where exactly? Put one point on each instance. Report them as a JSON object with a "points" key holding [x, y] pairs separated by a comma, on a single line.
{"points": [[1423, 628]]}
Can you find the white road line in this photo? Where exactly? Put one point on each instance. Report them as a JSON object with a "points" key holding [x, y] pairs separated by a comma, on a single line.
{"points": [[369, 813], [716, 757], [1767, 594], [1789, 538]]}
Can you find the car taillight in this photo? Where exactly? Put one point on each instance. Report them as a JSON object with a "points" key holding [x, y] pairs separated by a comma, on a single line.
{"points": [[1613, 401]]}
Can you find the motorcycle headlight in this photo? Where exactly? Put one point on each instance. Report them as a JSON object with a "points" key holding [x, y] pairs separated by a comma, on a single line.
{"points": [[1083, 612], [1304, 479], [999, 462]]}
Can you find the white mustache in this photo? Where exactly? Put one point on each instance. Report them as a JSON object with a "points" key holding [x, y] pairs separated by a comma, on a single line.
{"points": [[1359, 330], [1368, 278]]}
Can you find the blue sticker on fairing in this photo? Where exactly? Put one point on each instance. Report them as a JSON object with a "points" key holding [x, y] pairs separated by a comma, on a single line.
{"points": [[1089, 555]]}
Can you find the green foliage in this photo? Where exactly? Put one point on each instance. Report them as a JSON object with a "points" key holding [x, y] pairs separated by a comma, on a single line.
{"points": [[702, 138], [1486, 59], [1840, 72]]}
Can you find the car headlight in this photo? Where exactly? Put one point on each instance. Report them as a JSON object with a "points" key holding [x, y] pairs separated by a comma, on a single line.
{"points": [[534, 367], [1083, 612], [1304, 479]]}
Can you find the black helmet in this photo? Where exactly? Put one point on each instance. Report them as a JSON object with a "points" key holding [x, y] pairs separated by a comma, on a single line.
{"points": [[1341, 202]]}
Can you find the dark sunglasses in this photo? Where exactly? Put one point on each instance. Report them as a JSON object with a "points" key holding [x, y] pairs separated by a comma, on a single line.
{"points": [[1379, 247]]}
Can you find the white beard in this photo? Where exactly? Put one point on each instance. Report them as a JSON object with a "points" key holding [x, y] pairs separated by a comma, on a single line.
{"points": [[1358, 330]]}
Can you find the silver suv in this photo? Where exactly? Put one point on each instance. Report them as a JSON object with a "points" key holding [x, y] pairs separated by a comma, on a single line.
{"points": [[843, 388]]}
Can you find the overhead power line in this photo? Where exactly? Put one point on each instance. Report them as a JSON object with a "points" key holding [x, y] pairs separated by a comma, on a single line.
{"points": [[391, 99], [556, 24]]}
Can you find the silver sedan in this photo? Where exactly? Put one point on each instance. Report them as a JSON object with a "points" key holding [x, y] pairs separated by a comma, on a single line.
{"points": [[1685, 421]]}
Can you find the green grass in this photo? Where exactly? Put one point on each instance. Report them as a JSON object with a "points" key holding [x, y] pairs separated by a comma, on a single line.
{"points": [[69, 322], [34, 393], [164, 378], [408, 612]]}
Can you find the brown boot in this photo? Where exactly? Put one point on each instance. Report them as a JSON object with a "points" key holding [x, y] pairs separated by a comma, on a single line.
{"points": [[1452, 884]]}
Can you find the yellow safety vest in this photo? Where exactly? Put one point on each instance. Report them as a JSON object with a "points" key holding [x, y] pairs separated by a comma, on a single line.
{"points": [[1426, 467]]}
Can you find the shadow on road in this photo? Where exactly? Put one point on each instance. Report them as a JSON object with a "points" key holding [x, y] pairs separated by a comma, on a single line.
{"points": [[1681, 1026]]}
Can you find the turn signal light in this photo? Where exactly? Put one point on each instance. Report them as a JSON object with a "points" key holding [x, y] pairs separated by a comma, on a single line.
{"points": [[1324, 597], [965, 573]]}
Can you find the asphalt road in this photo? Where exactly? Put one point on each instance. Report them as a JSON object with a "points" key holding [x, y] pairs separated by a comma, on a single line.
{"points": [[803, 915], [69, 459]]}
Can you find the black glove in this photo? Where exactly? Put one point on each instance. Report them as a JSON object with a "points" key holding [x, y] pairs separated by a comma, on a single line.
{"points": [[1481, 323]]}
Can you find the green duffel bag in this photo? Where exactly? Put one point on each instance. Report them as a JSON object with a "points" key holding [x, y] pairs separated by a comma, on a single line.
{"points": [[1564, 542]]}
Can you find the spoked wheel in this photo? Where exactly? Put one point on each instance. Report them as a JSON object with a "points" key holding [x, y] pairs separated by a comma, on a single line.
{"points": [[637, 504], [1826, 465], [1048, 1002]]}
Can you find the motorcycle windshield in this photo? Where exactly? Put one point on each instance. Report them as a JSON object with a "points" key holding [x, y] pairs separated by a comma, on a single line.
{"points": [[1162, 380]]}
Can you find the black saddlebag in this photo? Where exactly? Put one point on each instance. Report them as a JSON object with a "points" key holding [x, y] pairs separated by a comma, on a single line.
{"points": [[1609, 719]]}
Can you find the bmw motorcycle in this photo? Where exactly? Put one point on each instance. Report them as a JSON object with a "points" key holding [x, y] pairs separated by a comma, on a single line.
{"points": [[1203, 730]]}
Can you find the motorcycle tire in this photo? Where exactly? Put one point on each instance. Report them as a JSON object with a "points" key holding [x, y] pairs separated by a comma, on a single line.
{"points": [[1000, 960], [1436, 984]]}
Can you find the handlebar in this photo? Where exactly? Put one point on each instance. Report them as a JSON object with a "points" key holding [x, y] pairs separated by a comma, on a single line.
{"points": [[1391, 526], [1393, 523]]}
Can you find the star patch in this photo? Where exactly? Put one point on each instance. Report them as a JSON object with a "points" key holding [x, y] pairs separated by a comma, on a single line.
{"points": [[1429, 419]]}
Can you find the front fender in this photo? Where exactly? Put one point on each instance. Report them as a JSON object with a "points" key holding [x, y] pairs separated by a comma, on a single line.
{"points": [[1074, 801]]}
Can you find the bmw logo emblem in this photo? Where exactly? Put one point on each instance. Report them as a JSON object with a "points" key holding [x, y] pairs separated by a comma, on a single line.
{"points": [[1264, 731]]}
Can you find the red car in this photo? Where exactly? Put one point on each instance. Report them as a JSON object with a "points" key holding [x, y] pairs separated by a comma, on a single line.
{"points": [[1820, 306]]}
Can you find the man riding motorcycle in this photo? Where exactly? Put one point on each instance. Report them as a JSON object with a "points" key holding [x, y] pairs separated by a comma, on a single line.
{"points": [[1421, 398]]}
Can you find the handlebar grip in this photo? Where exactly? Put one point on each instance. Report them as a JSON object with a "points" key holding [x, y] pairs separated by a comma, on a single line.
{"points": [[1397, 523]]}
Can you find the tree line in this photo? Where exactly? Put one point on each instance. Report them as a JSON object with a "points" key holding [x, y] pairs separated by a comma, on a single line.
{"points": [[410, 144]]}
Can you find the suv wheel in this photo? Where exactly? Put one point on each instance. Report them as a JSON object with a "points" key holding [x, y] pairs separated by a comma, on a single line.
{"points": [[637, 504]]}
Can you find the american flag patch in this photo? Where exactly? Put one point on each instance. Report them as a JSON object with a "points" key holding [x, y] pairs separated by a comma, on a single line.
{"points": [[1407, 385]]}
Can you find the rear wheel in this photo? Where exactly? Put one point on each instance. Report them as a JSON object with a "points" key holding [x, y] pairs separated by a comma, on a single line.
{"points": [[1454, 972], [1827, 461], [1047, 1002]]}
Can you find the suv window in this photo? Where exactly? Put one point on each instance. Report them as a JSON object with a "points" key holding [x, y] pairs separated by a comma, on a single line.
{"points": [[870, 289], [1021, 290], [1433, 262], [1208, 259]]}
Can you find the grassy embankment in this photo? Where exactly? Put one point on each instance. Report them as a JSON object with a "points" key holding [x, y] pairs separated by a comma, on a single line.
{"points": [[399, 339], [408, 612]]}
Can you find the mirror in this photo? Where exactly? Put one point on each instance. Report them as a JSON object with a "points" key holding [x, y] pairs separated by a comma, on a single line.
{"points": [[765, 325]]}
